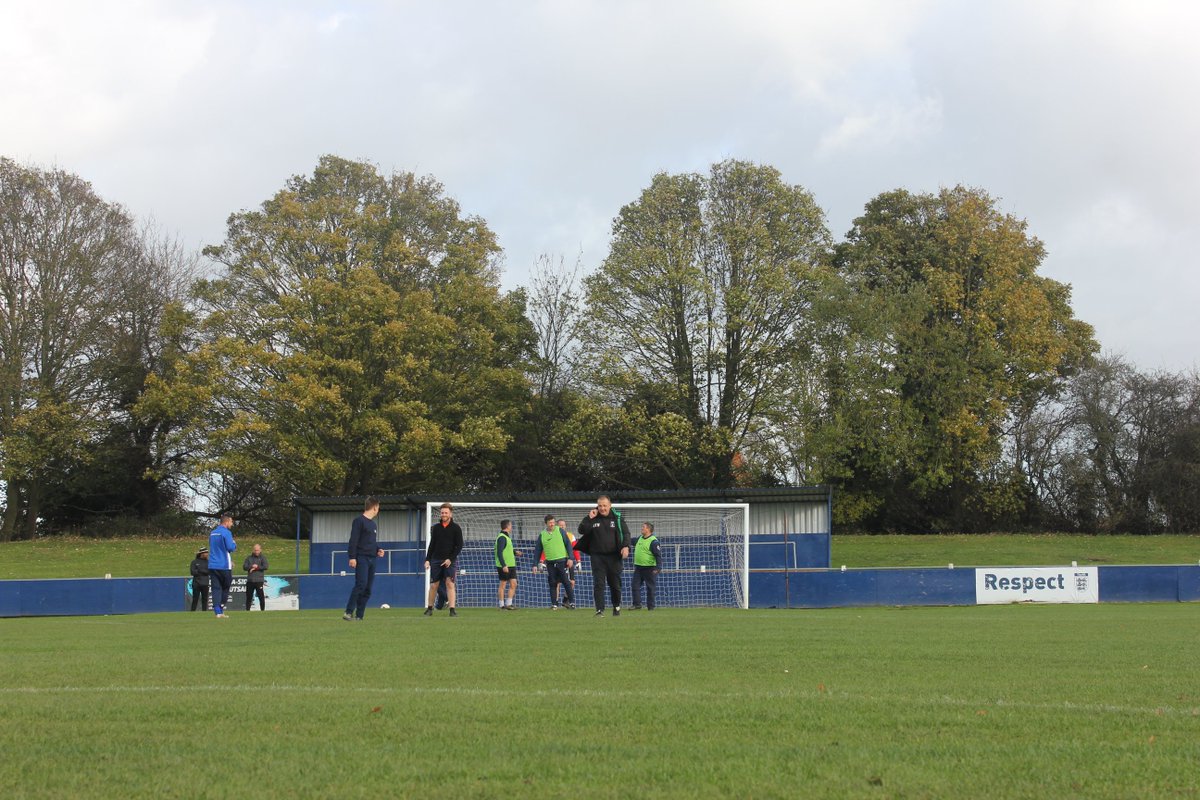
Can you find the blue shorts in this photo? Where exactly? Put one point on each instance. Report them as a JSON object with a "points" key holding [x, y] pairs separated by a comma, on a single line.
{"points": [[437, 572]]}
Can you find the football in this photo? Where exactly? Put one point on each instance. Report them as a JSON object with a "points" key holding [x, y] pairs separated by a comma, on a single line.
{"points": [[385, 605]]}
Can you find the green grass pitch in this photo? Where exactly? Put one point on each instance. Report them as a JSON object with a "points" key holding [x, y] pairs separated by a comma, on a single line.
{"points": [[995, 702]]}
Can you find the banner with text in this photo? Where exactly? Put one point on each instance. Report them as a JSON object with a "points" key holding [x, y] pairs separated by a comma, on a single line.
{"points": [[280, 593], [1037, 585]]}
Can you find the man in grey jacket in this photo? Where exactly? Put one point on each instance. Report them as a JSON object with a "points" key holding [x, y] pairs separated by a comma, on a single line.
{"points": [[256, 570]]}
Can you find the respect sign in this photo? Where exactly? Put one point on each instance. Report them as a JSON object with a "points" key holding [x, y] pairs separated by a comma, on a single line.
{"points": [[1037, 585]]}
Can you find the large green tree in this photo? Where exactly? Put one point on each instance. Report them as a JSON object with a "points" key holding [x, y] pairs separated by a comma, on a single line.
{"points": [[694, 316], [127, 472], [971, 336], [356, 342], [64, 254]]}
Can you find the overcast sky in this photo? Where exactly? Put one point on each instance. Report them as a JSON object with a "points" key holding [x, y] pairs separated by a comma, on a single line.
{"points": [[544, 118]]}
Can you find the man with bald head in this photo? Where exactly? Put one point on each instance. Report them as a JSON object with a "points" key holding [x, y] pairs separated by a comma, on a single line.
{"points": [[604, 537]]}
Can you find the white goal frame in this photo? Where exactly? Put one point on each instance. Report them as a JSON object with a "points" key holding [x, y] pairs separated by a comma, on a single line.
{"points": [[432, 512]]}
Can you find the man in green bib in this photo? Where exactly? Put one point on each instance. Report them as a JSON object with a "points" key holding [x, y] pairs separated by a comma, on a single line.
{"points": [[647, 561], [506, 566], [553, 542]]}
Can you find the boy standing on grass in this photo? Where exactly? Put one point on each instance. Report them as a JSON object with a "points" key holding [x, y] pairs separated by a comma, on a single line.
{"points": [[220, 563], [555, 547], [445, 543], [506, 566], [647, 560]]}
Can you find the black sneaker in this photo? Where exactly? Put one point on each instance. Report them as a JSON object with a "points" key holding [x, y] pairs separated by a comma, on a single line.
{"points": [[453, 613], [428, 611], [599, 612], [616, 611], [637, 608], [569, 606]]}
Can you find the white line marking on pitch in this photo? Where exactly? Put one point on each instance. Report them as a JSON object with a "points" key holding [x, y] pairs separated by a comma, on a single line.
{"points": [[1066, 705]]}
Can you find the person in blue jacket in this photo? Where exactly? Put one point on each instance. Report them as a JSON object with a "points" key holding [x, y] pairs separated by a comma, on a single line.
{"points": [[220, 563]]}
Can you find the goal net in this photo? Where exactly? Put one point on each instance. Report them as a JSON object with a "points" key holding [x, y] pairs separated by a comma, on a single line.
{"points": [[705, 549]]}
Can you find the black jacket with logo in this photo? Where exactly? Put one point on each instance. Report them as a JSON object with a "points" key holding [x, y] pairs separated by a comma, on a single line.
{"points": [[603, 535]]}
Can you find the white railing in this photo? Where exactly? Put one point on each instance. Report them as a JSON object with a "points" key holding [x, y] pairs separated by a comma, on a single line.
{"points": [[387, 554]]}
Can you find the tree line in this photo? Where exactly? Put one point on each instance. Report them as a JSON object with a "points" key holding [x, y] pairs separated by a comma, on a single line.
{"points": [[350, 336]]}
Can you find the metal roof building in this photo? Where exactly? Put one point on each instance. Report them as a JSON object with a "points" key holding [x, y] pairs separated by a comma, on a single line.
{"points": [[798, 517]]}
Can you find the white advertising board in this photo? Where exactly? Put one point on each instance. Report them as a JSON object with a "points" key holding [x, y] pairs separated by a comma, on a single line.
{"points": [[1037, 585]]}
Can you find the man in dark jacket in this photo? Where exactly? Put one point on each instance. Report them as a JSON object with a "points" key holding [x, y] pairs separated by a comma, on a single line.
{"points": [[255, 566], [604, 537], [200, 579], [445, 543], [363, 550]]}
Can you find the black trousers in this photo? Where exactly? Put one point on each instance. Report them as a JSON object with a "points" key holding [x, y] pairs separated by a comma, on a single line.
{"points": [[648, 576], [556, 574], [253, 589], [606, 568], [199, 597]]}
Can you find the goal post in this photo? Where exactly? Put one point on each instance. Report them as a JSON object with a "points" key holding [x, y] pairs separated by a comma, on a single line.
{"points": [[705, 548]]}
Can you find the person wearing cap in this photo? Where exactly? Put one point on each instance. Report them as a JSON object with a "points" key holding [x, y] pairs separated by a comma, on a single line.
{"points": [[200, 579]]}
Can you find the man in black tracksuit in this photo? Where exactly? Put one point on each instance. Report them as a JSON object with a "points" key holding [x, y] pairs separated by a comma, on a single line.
{"points": [[604, 537], [445, 543], [256, 567]]}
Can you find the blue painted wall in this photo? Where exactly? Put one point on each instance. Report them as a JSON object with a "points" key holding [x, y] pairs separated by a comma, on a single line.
{"points": [[950, 587], [1165, 584], [399, 556], [87, 596]]}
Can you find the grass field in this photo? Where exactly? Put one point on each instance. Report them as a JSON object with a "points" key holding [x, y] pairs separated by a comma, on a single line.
{"points": [[135, 557], [75, 557], [1013, 549], [995, 702]]}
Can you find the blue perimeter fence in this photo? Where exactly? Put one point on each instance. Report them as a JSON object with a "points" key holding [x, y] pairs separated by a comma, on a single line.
{"points": [[769, 588]]}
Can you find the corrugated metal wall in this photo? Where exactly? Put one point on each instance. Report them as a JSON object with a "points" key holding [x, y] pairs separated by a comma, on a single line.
{"points": [[330, 527], [780, 518]]}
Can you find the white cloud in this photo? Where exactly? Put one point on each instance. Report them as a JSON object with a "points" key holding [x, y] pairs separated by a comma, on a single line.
{"points": [[78, 74], [546, 117], [883, 127]]}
